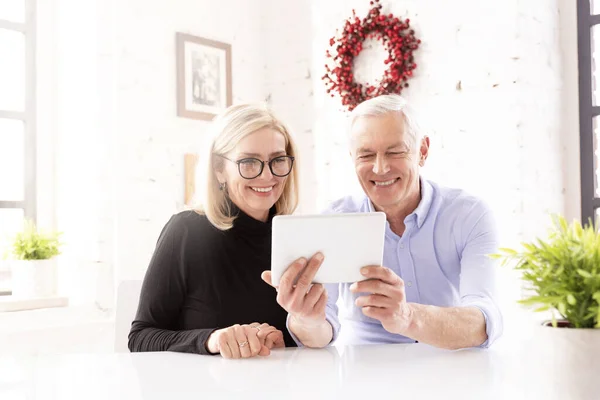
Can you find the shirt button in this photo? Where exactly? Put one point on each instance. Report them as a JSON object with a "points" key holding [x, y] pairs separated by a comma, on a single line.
{"points": [[409, 283], [401, 246]]}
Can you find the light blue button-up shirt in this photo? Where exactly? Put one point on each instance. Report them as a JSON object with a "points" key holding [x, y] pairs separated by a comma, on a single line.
{"points": [[442, 258]]}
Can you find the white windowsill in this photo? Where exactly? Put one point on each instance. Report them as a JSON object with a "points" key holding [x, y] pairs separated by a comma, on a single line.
{"points": [[11, 304]]}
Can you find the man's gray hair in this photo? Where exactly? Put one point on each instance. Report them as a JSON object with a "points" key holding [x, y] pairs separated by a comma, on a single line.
{"points": [[388, 103]]}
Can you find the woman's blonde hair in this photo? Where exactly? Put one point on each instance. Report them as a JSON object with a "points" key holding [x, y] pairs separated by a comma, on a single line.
{"points": [[228, 129]]}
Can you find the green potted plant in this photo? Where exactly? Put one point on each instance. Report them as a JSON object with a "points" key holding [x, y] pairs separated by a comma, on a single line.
{"points": [[33, 266], [562, 273]]}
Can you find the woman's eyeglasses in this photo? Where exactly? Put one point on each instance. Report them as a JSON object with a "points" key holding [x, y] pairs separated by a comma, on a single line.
{"points": [[250, 168]]}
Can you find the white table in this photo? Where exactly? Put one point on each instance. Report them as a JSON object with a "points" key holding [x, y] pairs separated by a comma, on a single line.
{"points": [[530, 370]]}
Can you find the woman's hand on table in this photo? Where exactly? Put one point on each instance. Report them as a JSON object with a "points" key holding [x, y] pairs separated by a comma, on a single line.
{"points": [[245, 341]]}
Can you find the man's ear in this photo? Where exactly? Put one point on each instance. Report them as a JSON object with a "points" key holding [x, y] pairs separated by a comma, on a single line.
{"points": [[424, 150]]}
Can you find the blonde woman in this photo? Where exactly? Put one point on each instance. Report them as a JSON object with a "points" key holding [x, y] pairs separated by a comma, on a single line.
{"points": [[203, 292]]}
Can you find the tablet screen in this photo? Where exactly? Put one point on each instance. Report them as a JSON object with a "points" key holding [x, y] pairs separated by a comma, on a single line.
{"points": [[348, 242]]}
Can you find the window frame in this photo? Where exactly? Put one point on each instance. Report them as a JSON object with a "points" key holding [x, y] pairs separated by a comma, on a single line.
{"points": [[590, 203], [28, 116]]}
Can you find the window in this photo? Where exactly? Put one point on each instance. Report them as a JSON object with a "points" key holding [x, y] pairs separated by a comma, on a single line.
{"points": [[17, 115], [588, 20]]}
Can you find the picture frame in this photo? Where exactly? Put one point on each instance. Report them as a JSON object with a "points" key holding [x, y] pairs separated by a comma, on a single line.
{"points": [[203, 76]]}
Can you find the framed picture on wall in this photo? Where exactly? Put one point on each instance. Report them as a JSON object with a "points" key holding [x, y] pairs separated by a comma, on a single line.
{"points": [[203, 77]]}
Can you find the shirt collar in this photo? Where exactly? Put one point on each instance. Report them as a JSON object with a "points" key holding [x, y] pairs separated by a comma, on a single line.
{"points": [[424, 205]]}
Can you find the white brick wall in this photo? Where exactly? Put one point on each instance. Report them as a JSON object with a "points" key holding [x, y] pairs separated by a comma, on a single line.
{"points": [[120, 145], [569, 124], [289, 77], [500, 137], [80, 144]]}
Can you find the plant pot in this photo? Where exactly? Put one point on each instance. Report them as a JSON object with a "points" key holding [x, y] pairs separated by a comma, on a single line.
{"points": [[33, 278], [568, 358], [572, 340]]}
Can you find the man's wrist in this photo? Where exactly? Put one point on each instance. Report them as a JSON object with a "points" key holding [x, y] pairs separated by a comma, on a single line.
{"points": [[409, 323], [313, 333], [307, 323]]}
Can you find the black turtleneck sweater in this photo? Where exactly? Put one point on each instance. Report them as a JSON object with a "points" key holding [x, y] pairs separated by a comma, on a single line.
{"points": [[201, 279]]}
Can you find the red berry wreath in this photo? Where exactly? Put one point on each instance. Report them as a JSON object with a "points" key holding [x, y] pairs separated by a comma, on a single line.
{"points": [[399, 41]]}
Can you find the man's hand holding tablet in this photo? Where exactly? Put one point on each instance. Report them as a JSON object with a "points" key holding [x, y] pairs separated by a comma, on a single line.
{"points": [[304, 301], [334, 248]]}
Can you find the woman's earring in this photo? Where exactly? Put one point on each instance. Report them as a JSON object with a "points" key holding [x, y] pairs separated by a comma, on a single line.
{"points": [[222, 186]]}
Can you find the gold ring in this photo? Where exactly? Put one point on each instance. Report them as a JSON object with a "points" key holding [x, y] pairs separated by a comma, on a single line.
{"points": [[244, 343]]}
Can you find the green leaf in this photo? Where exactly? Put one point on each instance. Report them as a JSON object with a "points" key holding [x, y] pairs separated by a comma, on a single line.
{"points": [[508, 251], [584, 273], [560, 270], [542, 309], [571, 299], [529, 247], [563, 224]]}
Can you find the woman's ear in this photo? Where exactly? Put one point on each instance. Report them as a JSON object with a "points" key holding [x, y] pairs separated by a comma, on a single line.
{"points": [[219, 167]]}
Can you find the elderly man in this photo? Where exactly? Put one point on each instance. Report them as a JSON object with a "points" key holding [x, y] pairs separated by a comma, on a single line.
{"points": [[436, 283]]}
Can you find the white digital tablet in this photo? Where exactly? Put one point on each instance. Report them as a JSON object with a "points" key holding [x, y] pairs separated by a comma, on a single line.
{"points": [[348, 242]]}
